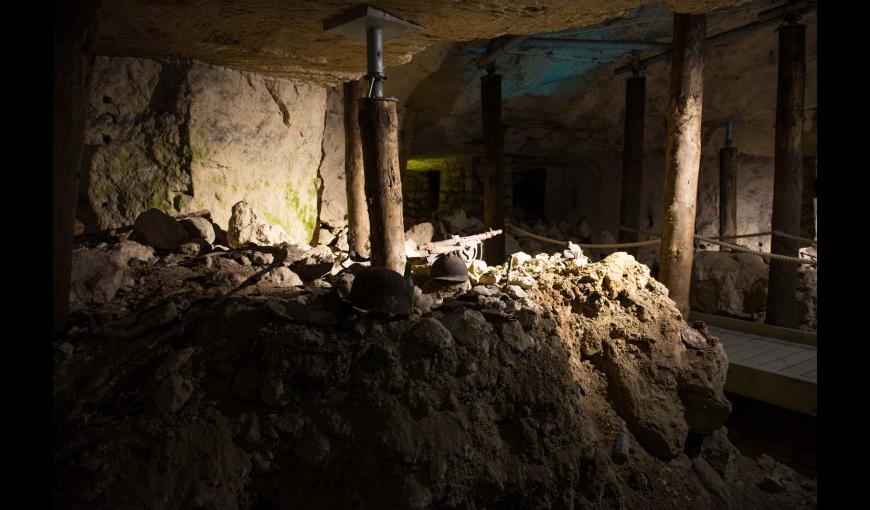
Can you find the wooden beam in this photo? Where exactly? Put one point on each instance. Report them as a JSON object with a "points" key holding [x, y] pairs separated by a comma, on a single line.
{"points": [[383, 182], [75, 26], [493, 178], [354, 177], [728, 191], [632, 160], [788, 174], [756, 328], [683, 157], [777, 389]]}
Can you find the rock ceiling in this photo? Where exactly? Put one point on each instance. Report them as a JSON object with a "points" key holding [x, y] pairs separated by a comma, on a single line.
{"points": [[285, 38]]}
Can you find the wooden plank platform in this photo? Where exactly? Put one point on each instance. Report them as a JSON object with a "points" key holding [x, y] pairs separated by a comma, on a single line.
{"points": [[756, 328], [772, 370]]}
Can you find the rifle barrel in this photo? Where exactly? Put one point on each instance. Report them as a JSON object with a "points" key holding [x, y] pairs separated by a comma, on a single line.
{"points": [[459, 241]]}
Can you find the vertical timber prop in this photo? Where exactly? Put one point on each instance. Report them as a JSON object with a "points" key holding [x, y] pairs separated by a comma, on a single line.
{"points": [[354, 177], [75, 25], [493, 178], [788, 173], [632, 160], [683, 157], [808, 197], [728, 188], [383, 181], [378, 131]]}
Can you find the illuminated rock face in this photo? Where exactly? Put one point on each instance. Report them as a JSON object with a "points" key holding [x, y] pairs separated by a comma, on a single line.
{"points": [[290, 388], [181, 136]]}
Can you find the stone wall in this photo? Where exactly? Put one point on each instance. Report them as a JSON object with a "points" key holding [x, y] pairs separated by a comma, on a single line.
{"points": [[181, 135], [459, 188], [333, 203]]}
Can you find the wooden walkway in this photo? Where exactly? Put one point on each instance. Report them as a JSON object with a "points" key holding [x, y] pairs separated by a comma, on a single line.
{"points": [[775, 365]]}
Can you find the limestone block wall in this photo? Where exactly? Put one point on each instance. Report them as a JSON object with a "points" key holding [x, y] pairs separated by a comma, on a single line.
{"points": [[459, 187], [181, 135]]}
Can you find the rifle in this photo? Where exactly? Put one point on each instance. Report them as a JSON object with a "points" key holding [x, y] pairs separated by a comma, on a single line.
{"points": [[470, 247]]}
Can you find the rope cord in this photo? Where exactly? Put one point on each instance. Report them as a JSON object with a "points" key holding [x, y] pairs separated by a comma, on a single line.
{"points": [[737, 247], [734, 247], [771, 256], [526, 233]]}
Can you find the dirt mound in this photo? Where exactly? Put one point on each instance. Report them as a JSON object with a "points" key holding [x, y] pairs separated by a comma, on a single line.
{"points": [[288, 397]]}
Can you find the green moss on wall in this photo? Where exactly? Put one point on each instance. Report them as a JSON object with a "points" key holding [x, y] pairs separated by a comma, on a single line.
{"points": [[199, 149]]}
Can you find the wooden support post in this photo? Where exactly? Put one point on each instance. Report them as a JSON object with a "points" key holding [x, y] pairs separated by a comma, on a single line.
{"points": [[788, 174], [354, 177], [75, 25], [632, 160], [493, 178], [728, 192], [808, 196], [683, 157], [383, 181]]}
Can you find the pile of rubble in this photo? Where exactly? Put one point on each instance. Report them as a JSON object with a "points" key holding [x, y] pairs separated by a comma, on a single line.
{"points": [[549, 382]]}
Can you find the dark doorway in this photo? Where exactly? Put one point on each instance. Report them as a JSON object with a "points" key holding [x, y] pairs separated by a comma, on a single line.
{"points": [[529, 192]]}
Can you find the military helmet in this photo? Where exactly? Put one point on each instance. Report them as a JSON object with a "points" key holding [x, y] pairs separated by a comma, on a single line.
{"points": [[378, 289], [450, 268]]}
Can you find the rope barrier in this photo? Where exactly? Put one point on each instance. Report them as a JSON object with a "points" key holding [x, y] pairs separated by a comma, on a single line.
{"points": [[526, 233], [771, 256], [741, 236], [734, 247], [737, 247], [796, 238]]}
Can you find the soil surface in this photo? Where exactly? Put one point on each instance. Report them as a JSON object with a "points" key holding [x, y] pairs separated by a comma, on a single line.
{"points": [[565, 384]]}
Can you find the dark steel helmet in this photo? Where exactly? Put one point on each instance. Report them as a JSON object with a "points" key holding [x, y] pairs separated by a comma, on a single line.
{"points": [[449, 268], [378, 289]]}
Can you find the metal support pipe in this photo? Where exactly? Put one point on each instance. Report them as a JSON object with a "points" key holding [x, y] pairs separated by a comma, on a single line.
{"points": [[721, 36], [375, 59], [540, 42]]}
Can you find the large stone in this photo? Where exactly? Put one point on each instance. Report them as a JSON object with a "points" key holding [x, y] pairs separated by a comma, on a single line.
{"points": [[284, 276], [661, 428], [245, 226], [95, 277], [733, 284], [126, 250], [514, 335], [198, 226], [159, 230], [470, 329], [426, 338]]}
